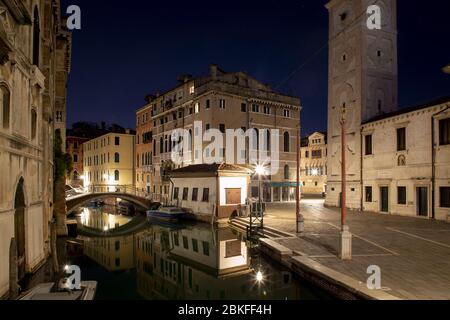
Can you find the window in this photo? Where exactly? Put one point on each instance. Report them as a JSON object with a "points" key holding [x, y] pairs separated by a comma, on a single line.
{"points": [[207, 127], [286, 172], [33, 124], [185, 242], [444, 197], [286, 113], [116, 157], [176, 191], [222, 127], [255, 108], [176, 240], [192, 89], [194, 194], [117, 141], [266, 109], [286, 142], [75, 158], [197, 108], [444, 131], [316, 154], [116, 175], [185, 193], [117, 245], [222, 103], [243, 107], [205, 197], [306, 154], [208, 104], [401, 195], [368, 141], [401, 139], [205, 248], [368, 194], [195, 245]]}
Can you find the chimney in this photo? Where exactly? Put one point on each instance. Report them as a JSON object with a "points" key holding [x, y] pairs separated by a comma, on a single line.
{"points": [[213, 71], [184, 78]]}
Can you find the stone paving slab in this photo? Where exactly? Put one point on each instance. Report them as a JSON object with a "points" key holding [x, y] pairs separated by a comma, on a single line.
{"points": [[413, 253]]}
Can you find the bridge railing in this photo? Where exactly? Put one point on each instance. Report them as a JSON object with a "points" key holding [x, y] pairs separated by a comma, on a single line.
{"points": [[128, 189]]}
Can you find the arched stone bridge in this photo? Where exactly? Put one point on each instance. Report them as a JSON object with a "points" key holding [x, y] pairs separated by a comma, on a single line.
{"points": [[125, 193]]}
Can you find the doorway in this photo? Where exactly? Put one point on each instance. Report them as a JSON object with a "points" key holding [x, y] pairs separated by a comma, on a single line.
{"points": [[384, 199], [422, 201], [19, 228]]}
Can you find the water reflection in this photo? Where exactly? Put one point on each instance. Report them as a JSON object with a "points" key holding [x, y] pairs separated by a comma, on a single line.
{"points": [[171, 261]]}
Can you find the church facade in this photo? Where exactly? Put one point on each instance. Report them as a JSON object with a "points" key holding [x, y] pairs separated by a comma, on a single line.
{"points": [[393, 156], [34, 63]]}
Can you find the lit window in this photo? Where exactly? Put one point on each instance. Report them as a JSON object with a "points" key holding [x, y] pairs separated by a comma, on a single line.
{"points": [[222, 103], [192, 89], [197, 108]]}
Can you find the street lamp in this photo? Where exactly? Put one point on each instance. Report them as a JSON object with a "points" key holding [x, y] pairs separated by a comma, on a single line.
{"points": [[345, 240], [260, 171], [446, 69]]}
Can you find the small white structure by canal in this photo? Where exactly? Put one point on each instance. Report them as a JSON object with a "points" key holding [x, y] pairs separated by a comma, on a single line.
{"points": [[211, 191]]}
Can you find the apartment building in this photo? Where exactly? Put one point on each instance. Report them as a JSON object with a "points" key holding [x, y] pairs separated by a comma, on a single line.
{"points": [[313, 164], [74, 147], [220, 101], [109, 162]]}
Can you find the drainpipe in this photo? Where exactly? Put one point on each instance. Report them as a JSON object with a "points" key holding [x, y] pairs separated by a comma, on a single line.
{"points": [[433, 163]]}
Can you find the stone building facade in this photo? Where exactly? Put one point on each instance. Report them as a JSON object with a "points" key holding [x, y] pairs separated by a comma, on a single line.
{"points": [[34, 53], [221, 101], [108, 162], [397, 159], [74, 147], [406, 162], [313, 164]]}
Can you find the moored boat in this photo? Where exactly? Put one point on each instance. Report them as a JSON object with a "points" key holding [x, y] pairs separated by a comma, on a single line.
{"points": [[167, 213]]}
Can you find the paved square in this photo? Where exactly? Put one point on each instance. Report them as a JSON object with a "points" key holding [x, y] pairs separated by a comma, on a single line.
{"points": [[413, 253]]}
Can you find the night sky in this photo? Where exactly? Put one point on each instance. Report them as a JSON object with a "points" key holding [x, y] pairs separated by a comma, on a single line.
{"points": [[127, 49]]}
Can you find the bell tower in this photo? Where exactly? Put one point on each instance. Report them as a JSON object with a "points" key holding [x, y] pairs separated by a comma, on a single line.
{"points": [[362, 77]]}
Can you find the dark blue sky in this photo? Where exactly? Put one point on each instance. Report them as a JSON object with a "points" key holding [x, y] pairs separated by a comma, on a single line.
{"points": [[127, 49]]}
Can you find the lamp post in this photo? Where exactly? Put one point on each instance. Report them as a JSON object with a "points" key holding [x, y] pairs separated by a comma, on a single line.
{"points": [[345, 240], [300, 220], [260, 172]]}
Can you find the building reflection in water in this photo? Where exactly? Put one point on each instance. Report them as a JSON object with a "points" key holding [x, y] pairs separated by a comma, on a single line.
{"points": [[186, 261]]}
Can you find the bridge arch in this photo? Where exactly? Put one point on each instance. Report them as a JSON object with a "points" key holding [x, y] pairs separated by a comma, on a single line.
{"points": [[78, 201]]}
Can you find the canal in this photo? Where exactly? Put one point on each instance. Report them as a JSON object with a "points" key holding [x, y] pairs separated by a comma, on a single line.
{"points": [[138, 258]]}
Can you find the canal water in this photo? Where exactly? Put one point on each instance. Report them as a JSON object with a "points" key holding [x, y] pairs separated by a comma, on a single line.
{"points": [[138, 258]]}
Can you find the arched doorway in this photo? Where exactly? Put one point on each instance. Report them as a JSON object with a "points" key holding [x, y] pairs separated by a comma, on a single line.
{"points": [[19, 228]]}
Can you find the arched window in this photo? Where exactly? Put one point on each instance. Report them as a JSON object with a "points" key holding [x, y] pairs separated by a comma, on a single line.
{"points": [[116, 157], [75, 175], [286, 142], [161, 145], [255, 138], [190, 140], [267, 139], [154, 146], [286, 172], [36, 37], [116, 175], [33, 124], [5, 95]]}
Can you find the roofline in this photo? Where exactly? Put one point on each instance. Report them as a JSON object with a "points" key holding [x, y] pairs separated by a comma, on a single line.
{"points": [[401, 111]]}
